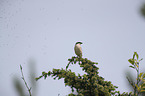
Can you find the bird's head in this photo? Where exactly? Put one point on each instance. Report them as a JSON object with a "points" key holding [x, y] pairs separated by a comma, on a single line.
{"points": [[79, 43]]}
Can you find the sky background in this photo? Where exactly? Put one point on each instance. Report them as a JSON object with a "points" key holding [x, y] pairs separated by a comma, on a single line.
{"points": [[45, 32]]}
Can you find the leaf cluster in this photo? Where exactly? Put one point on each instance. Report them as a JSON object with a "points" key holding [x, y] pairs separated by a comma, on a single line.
{"points": [[143, 10], [139, 85], [88, 84], [134, 61]]}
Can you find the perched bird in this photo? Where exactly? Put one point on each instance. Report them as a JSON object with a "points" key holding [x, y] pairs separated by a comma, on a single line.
{"points": [[78, 49]]}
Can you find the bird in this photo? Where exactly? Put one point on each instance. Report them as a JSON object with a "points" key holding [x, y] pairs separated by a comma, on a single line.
{"points": [[78, 49]]}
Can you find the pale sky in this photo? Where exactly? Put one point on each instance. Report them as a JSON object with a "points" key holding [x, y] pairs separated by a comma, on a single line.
{"points": [[46, 31]]}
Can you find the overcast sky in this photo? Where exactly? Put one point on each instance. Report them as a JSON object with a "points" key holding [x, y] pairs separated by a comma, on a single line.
{"points": [[45, 31]]}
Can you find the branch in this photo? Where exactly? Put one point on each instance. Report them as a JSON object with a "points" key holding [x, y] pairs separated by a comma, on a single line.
{"points": [[29, 89]]}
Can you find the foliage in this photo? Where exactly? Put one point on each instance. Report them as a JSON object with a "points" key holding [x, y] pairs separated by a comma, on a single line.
{"points": [[89, 84], [19, 87], [139, 85], [143, 10]]}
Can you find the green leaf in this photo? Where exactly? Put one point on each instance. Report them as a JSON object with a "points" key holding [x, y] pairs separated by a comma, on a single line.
{"points": [[138, 87], [131, 61], [143, 84], [143, 75], [20, 67], [75, 62], [133, 55], [136, 65], [37, 79], [141, 59], [43, 73], [136, 55], [45, 76], [72, 90], [142, 91], [131, 67], [140, 74]]}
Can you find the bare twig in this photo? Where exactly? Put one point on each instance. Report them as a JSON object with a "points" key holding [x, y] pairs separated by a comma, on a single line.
{"points": [[29, 89]]}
